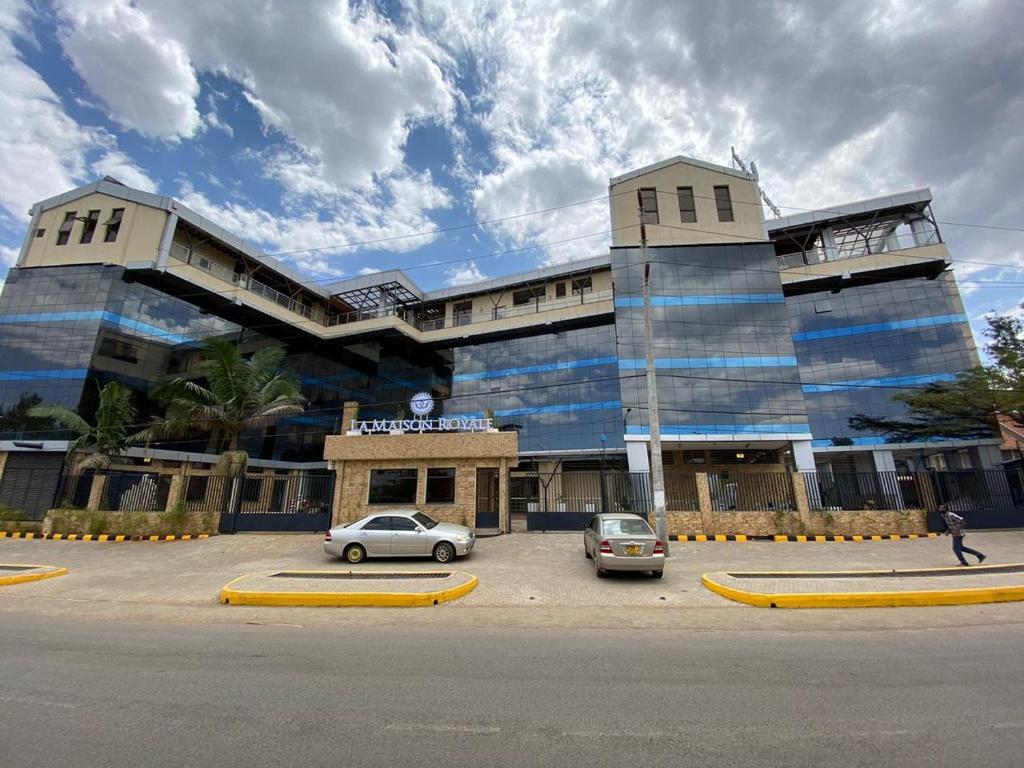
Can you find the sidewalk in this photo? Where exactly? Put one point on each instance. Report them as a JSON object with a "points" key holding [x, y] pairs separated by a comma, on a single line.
{"points": [[527, 578]]}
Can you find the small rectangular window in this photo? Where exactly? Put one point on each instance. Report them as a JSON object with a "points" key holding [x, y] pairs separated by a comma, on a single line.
{"points": [[113, 225], [392, 486], [89, 229], [649, 205], [559, 290], [441, 486], [40, 232], [583, 284], [822, 305], [724, 202], [687, 206], [64, 233]]}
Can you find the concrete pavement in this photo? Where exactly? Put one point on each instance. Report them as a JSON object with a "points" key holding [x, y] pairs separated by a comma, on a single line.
{"points": [[525, 580]]}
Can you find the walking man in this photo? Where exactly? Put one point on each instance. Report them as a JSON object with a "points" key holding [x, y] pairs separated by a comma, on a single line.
{"points": [[955, 528]]}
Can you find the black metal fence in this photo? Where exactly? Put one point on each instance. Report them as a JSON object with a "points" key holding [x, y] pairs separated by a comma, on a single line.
{"points": [[829, 492], [264, 502], [123, 491], [751, 491]]}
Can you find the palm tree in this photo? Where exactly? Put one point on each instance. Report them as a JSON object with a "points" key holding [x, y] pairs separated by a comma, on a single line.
{"points": [[239, 393], [105, 439]]}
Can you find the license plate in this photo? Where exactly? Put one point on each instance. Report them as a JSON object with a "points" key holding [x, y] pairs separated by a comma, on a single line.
{"points": [[633, 549]]}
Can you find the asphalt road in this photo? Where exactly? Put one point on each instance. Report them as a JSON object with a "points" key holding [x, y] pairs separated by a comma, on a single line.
{"points": [[74, 692]]}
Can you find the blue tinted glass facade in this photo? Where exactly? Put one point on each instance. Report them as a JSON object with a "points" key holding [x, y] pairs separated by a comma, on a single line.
{"points": [[860, 347], [722, 345]]}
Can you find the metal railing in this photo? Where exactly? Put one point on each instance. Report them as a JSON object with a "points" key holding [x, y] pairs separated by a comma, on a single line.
{"points": [[186, 255], [828, 492], [123, 491], [751, 491], [859, 246]]}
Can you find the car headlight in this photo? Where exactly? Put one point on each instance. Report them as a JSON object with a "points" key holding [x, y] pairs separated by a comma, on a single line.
{"points": [[462, 538]]}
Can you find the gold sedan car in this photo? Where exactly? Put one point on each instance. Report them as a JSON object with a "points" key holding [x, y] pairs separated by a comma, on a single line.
{"points": [[623, 542]]}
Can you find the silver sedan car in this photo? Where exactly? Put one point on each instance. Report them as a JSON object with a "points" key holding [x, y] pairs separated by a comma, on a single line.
{"points": [[623, 542], [399, 533]]}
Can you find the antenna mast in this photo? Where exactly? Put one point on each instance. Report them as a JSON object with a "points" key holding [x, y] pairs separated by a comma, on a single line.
{"points": [[753, 171]]}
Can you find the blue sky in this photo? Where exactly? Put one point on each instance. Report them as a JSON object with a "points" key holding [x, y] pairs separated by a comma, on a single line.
{"points": [[351, 137]]}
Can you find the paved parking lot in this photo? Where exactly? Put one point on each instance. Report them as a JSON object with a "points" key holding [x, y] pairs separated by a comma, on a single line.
{"points": [[533, 578]]}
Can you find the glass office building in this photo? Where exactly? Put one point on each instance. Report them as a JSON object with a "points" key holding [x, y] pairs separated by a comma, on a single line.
{"points": [[768, 336]]}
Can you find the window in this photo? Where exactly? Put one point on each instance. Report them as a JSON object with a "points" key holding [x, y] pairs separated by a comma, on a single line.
{"points": [[64, 233], [822, 305], [441, 486], [559, 290], [392, 486], [119, 350], [583, 284], [90, 226], [403, 524], [462, 312], [724, 202], [382, 523], [527, 295], [649, 205], [40, 232], [113, 225], [687, 206], [251, 487]]}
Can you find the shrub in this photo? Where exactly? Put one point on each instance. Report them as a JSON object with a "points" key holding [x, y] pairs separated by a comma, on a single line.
{"points": [[10, 514], [97, 523], [175, 519]]}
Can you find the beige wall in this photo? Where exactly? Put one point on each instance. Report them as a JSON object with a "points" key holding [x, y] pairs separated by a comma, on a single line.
{"points": [[137, 239], [866, 263], [746, 205]]}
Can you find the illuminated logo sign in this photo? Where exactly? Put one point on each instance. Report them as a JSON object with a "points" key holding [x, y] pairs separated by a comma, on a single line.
{"points": [[422, 404]]}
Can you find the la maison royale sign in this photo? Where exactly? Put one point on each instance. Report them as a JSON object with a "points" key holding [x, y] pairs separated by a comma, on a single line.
{"points": [[421, 404]]}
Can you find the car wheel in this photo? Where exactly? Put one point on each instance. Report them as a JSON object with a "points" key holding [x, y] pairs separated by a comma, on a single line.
{"points": [[586, 550], [657, 574], [601, 572], [444, 552], [354, 553]]}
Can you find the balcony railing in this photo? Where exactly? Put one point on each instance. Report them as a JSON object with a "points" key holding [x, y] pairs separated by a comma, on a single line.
{"points": [[410, 314], [858, 246], [188, 256]]}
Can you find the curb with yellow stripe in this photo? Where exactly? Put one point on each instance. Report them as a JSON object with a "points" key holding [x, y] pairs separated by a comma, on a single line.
{"points": [[21, 578], [98, 537], [229, 595], [801, 538]]}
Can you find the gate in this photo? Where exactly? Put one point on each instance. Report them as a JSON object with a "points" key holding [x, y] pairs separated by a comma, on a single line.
{"points": [[30, 482], [985, 498], [264, 502], [566, 501]]}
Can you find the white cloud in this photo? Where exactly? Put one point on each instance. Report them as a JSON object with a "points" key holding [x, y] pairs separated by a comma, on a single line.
{"points": [[368, 271], [465, 274], [120, 166], [143, 77], [43, 150], [8, 255]]}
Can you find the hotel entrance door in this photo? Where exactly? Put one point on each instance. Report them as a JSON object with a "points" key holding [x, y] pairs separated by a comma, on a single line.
{"points": [[487, 496]]}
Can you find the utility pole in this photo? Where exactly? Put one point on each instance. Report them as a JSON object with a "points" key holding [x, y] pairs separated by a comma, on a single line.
{"points": [[653, 418]]}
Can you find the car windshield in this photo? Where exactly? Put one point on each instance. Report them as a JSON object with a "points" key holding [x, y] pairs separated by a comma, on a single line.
{"points": [[626, 527], [424, 520]]}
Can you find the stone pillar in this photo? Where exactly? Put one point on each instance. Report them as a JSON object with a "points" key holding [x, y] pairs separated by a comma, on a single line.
{"points": [[339, 477], [504, 522], [704, 506], [176, 492], [3, 462], [99, 482], [349, 412], [803, 458], [800, 498], [636, 455]]}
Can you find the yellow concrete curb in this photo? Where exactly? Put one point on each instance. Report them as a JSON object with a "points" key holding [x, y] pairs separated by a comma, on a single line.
{"points": [[229, 596], [916, 598], [21, 578]]}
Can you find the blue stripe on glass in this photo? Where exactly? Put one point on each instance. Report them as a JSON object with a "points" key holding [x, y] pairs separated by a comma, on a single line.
{"points": [[894, 325], [103, 316], [52, 374], [534, 410], [890, 381], [722, 429], [693, 301], [709, 362], [319, 421], [541, 368], [869, 440]]}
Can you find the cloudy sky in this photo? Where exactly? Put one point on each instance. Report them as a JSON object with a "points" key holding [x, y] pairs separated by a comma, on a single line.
{"points": [[352, 137]]}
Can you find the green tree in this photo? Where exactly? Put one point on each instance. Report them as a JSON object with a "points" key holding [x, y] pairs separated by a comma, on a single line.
{"points": [[237, 393], [107, 437], [965, 407], [15, 419]]}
